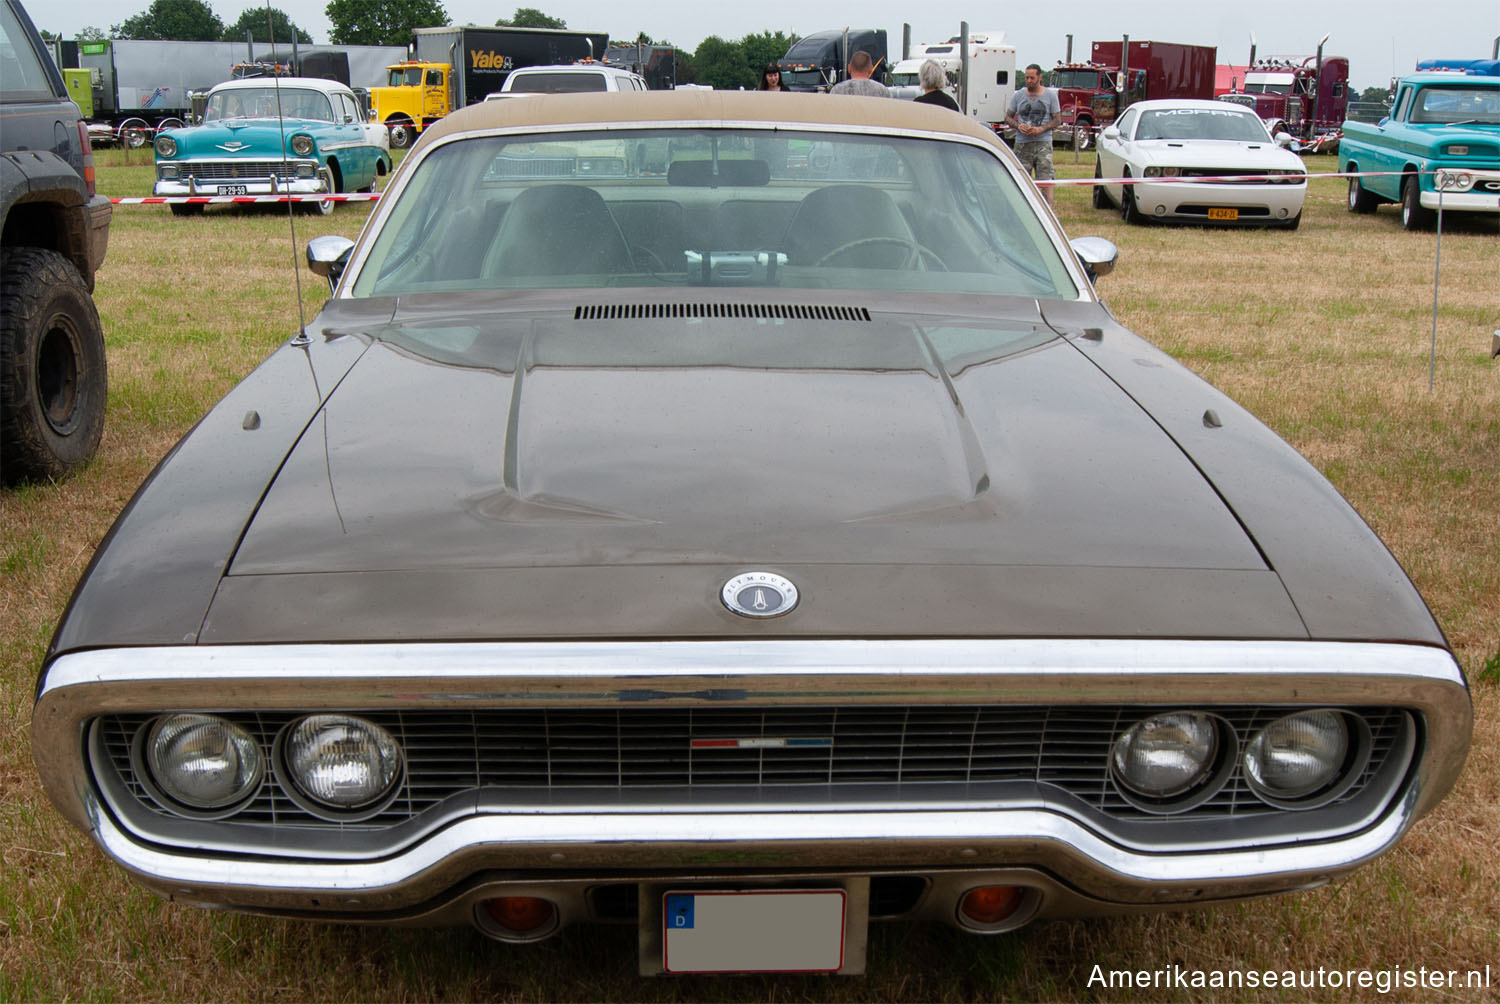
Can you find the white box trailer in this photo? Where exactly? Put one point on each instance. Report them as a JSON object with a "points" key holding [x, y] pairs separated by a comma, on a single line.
{"points": [[992, 73]]}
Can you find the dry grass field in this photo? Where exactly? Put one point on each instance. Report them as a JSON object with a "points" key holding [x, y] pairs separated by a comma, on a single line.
{"points": [[1323, 333]]}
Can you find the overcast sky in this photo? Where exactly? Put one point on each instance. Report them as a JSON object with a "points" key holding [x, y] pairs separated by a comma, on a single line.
{"points": [[1382, 38]]}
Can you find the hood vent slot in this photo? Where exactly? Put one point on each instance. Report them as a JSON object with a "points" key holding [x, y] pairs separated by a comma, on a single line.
{"points": [[785, 311]]}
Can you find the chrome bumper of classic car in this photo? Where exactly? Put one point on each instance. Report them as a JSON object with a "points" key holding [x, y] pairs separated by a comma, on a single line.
{"points": [[292, 177], [1067, 852]]}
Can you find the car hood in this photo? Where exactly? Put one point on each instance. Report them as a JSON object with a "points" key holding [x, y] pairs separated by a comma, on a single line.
{"points": [[472, 454], [250, 137], [1213, 153]]}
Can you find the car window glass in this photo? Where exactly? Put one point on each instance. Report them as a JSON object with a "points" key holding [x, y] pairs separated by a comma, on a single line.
{"points": [[1403, 104], [1127, 122], [558, 83], [1452, 104], [434, 78], [22, 76], [712, 207], [1201, 123]]}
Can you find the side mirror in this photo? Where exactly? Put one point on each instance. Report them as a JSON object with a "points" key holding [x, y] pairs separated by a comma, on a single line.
{"points": [[1097, 255], [1110, 132], [1284, 140], [327, 256]]}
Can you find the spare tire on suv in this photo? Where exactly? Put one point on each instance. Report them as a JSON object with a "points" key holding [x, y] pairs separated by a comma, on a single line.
{"points": [[53, 239]]}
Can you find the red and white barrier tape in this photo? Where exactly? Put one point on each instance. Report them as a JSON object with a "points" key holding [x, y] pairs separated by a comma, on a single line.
{"points": [[227, 200]]}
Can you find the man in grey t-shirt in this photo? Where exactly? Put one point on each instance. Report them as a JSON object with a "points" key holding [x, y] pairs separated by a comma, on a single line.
{"points": [[1035, 112], [861, 69]]}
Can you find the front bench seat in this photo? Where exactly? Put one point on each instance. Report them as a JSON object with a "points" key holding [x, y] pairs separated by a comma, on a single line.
{"points": [[832, 217], [557, 230]]}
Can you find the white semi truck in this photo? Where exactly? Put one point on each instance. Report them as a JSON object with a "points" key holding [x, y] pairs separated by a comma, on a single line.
{"points": [[992, 74]]}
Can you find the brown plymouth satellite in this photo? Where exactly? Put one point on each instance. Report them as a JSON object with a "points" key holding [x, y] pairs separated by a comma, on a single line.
{"points": [[735, 516]]}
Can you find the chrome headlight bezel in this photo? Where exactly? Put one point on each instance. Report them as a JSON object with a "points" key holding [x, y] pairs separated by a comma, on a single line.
{"points": [[1346, 763], [169, 794], [301, 144], [1214, 766], [165, 146], [291, 767]]}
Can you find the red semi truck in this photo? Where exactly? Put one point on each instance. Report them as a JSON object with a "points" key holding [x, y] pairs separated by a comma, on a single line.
{"points": [[1091, 94], [1305, 97]]}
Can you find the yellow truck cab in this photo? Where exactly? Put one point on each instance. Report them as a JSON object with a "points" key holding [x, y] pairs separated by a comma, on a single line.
{"points": [[415, 96]]}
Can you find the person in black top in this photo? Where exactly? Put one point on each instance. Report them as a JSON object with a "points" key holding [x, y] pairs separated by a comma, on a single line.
{"points": [[934, 81], [770, 79]]}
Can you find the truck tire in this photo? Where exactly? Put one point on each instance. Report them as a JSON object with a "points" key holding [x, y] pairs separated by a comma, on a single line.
{"points": [[52, 371], [1083, 135], [1101, 197], [401, 134], [1413, 215], [1360, 201], [134, 133]]}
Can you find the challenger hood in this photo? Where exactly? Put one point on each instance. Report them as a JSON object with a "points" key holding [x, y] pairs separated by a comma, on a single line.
{"points": [[471, 442]]}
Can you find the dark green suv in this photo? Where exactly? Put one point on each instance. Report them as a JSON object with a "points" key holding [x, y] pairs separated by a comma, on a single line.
{"points": [[53, 239]]}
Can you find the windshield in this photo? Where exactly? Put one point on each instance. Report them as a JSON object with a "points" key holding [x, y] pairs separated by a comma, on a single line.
{"points": [[1083, 79], [1201, 123], [686, 207], [1451, 105], [409, 77], [557, 83], [261, 102]]}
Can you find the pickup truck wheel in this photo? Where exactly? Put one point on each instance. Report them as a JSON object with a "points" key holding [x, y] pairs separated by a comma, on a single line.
{"points": [[1360, 201], [1413, 215], [401, 134], [1101, 197], [52, 369]]}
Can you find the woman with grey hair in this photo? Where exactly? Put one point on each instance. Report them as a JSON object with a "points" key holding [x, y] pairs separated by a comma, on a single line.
{"points": [[934, 81]]}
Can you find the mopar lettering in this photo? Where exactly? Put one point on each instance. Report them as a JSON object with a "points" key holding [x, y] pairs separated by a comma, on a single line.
{"points": [[479, 60]]}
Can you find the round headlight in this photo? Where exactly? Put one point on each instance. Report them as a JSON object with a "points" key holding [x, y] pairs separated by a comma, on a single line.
{"points": [[302, 144], [166, 146], [342, 762], [1297, 756], [1166, 755], [202, 761]]}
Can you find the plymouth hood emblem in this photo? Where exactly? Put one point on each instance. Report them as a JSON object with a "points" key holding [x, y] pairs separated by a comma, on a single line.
{"points": [[759, 594], [234, 146]]}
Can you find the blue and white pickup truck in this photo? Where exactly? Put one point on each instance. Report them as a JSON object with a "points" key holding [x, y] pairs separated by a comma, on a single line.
{"points": [[1442, 138]]}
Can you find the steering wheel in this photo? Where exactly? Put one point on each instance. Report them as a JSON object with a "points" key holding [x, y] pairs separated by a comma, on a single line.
{"points": [[916, 254]]}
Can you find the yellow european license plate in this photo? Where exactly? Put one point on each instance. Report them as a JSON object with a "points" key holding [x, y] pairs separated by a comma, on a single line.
{"points": [[1223, 214]]}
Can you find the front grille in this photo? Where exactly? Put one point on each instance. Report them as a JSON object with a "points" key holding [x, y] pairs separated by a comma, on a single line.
{"points": [[637, 755], [1488, 186], [239, 170]]}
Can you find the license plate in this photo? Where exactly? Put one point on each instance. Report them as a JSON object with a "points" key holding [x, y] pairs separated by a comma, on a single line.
{"points": [[233, 190], [1223, 214], [755, 931]]}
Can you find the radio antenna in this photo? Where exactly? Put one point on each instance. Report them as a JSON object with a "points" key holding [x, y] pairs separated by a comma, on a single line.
{"points": [[301, 337]]}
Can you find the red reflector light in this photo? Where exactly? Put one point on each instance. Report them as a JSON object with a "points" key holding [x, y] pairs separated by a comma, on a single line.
{"points": [[990, 904], [521, 914]]}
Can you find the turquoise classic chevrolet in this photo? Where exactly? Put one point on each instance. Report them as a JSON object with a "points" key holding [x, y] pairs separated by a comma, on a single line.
{"points": [[319, 143], [1442, 140]]}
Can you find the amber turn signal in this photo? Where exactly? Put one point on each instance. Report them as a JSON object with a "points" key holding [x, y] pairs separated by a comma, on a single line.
{"points": [[990, 904]]}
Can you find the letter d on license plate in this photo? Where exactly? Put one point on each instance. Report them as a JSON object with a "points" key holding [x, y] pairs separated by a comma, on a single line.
{"points": [[756, 931]]}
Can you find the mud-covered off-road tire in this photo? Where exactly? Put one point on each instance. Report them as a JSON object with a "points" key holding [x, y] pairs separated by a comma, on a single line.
{"points": [[52, 372]]}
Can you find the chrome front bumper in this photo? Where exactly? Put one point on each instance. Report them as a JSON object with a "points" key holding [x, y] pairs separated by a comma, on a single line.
{"points": [[320, 183], [1079, 867]]}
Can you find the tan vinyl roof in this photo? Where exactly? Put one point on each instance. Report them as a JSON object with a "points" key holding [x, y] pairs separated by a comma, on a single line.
{"points": [[710, 108]]}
